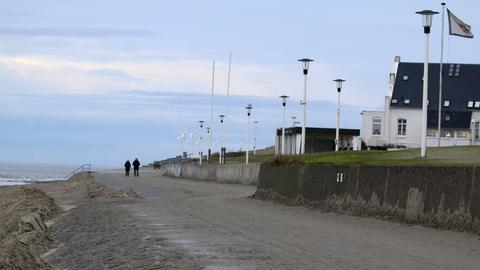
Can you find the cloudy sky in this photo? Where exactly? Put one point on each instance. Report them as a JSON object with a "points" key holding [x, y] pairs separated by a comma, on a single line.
{"points": [[103, 81]]}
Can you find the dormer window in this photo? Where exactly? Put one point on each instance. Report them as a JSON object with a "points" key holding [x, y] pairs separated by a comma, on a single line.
{"points": [[477, 104], [446, 103], [405, 78], [406, 101], [394, 101], [447, 118], [470, 104]]}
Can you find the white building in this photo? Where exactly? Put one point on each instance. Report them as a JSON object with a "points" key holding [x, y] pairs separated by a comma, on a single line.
{"points": [[400, 121]]}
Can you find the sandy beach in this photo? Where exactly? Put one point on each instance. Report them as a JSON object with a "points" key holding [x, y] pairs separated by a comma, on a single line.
{"points": [[156, 222]]}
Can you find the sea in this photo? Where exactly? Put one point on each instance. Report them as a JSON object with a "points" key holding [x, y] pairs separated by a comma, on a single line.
{"points": [[25, 173]]}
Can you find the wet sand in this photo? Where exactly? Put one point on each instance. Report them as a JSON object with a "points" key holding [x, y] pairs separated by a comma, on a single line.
{"points": [[184, 224], [219, 227]]}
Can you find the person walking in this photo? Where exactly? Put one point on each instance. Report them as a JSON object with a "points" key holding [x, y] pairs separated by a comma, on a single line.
{"points": [[136, 167], [127, 168]]}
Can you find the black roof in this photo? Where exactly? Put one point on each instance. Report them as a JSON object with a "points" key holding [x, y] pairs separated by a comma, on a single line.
{"points": [[321, 131], [461, 84]]}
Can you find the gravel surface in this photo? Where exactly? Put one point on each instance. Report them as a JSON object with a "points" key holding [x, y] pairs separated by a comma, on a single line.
{"points": [[216, 226]]}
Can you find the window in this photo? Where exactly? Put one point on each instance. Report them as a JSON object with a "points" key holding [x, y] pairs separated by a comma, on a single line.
{"points": [[477, 104], [446, 103], [377, 126], [406, 101], [394, 101], [405, 78], [470, 104], [431, 132], [463, 133], [447, 118], [402, 127]]}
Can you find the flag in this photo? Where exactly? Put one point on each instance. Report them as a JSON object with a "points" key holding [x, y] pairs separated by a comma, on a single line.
{"points": [[457, 27]]}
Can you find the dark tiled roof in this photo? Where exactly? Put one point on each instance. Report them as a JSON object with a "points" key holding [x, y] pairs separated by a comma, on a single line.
{"points": [[457, 89], [450, 119]]}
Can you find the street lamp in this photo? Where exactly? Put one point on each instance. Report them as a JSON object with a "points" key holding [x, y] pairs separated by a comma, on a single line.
{"points": [[201, 140], [249, 110], [284, 104], [255, 137], [337, 133], [221, 154], [427, 16], [305, 65]]}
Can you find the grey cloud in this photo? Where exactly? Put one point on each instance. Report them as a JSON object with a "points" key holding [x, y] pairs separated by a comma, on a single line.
{"points": [[76, 32], [112, 73]]}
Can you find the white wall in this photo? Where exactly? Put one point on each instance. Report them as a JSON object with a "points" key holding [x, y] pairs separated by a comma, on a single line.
{"points": [[366, 133], [414, 127]]}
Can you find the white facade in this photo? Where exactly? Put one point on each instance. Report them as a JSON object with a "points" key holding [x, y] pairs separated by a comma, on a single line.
{"points": [[402, 126]]}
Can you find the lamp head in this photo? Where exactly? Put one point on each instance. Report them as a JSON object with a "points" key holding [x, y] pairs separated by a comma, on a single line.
{"points": [[305, 64], [284, 100], [339, 84], [222, 116], [249, 109], [427, 17]]}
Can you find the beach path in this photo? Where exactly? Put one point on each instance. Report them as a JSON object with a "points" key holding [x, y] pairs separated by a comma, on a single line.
{"points": [[217, 226]]}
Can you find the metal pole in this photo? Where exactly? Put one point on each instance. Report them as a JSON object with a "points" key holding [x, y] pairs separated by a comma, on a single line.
{"points": [[255, 137], [201, 144], [226, 110], [283, 131], [440, 89], [423, 150], [248, 137], [210, 131], [337, 133], [302, 150]]}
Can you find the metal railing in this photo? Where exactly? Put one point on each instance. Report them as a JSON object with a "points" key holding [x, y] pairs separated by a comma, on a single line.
{"points": [[84, 168]]}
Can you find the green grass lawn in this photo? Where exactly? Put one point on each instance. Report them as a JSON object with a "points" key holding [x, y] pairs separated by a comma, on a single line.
{"points": [[258, 158], [451, 156]]}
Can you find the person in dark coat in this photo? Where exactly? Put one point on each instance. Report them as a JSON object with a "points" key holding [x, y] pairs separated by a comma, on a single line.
{"points": [[127, 168], [136, 167]]}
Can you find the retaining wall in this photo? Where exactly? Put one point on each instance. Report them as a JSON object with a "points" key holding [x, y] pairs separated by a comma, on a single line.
{"points": [[447, 197], [231, 173]]}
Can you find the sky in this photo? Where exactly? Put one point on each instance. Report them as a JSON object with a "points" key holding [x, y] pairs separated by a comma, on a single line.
{"points": [[104, 81]]}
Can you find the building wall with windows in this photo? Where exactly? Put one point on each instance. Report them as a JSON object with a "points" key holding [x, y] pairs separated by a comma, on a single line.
{"points": [[400, 121]]}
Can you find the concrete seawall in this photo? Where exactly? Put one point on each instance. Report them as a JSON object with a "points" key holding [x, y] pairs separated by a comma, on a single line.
{"points": [[230, 174], [447, 197]]}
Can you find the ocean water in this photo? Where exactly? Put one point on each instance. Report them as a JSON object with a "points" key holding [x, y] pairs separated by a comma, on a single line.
{"points": [[23, 173]]}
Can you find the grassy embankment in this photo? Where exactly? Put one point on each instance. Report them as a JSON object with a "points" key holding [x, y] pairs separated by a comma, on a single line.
{"points": [[450, 156], [444, 156]]}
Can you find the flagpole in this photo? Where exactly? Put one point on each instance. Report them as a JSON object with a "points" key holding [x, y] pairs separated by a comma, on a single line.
{"points": [[211, 114], [226, 111], [441, 79]]}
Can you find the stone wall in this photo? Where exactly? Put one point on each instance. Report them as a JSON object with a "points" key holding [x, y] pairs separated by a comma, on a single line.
{"points": [[231, 173], [447, 197]]}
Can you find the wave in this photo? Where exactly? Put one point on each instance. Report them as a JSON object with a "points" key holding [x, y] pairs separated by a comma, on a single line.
{"points": [[19, 180]]}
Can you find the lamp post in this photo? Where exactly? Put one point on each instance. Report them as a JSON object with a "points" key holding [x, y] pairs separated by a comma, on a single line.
{"points": [[255, 137], [284, 104], [249, 110], [221, 154], [209, 151], [201, 140], [427, 16], [337, 133], [305, 65]]}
